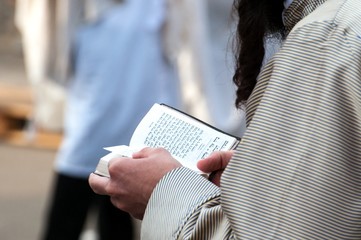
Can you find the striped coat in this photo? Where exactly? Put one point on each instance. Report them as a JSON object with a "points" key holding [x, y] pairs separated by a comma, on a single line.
{"points": [[297, 172]]}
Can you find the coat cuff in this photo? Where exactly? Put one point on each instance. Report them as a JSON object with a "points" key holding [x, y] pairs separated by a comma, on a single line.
{"points": [[175, 198]]}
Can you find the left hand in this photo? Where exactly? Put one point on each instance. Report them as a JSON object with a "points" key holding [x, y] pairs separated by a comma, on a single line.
{"points": [[132, 180]]}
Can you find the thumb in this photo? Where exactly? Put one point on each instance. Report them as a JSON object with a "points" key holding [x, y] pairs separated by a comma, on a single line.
{"points": [[214, 162], [98, 183]]}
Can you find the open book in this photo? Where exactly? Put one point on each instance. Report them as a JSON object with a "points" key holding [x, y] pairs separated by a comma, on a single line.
{"points": [[188, 139]]}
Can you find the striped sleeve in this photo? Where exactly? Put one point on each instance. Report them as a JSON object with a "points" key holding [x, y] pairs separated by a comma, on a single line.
{"points": [[297, 172], [185, 205]]}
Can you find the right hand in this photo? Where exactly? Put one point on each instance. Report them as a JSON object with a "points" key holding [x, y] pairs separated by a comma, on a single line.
{"points": [[132, 180], [215, 164]]}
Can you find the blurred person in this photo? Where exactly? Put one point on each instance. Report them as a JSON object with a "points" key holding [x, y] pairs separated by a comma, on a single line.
{"points": [[47, 30], [296, 173], [197, 42], [120, 71], [220, 93]]}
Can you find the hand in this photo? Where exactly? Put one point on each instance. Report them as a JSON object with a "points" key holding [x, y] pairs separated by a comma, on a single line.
{"points": [[215, 164], [132, 180]]}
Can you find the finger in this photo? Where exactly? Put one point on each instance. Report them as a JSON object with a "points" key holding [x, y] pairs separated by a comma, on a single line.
{"points": [[142, 153], [135, 211], [216, 161], [98, 183], [116, 202], [148, 151], [215, 177]]}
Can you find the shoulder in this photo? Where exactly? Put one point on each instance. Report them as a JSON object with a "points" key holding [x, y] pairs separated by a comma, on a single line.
{"points": [[334, 23], [349, 16], [336, 13]]}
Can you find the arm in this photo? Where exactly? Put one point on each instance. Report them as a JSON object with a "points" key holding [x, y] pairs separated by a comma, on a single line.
{"points": [[172, 195], [294, 174], [194, 199], [188, 205]]}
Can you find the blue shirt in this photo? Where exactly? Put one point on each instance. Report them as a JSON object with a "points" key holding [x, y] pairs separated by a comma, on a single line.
{"points": [[120, 72]]}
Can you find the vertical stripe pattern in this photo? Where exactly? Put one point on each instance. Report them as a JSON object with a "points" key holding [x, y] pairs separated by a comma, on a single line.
{"points": [[297, 172]]}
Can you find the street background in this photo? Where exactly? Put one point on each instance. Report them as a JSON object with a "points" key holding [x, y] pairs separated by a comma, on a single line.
{"points": [[26, 169]]}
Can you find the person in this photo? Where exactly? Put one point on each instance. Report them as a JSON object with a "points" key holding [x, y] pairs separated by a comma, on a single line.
{"points": [[119, 72], [47, 30], [296, 173], [194, 32]]}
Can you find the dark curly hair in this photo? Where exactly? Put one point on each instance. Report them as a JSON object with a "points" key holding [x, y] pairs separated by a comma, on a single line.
{"points": [[257, 20]]}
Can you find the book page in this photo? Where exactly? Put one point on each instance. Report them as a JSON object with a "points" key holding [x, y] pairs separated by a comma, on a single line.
{"points": [[187, 139]]}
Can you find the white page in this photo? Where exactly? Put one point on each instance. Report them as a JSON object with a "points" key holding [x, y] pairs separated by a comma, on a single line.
{"points": [[187, 140]]}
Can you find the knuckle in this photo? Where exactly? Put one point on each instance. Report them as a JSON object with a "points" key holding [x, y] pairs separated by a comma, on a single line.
{"points": [[159, 150]]}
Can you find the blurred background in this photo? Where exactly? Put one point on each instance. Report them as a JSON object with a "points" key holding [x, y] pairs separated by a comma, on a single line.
{"points": [[26, 167], [34, 72]]}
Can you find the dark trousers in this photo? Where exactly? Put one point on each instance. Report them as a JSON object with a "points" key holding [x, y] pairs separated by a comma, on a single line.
{"points": [[69, 207]]}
